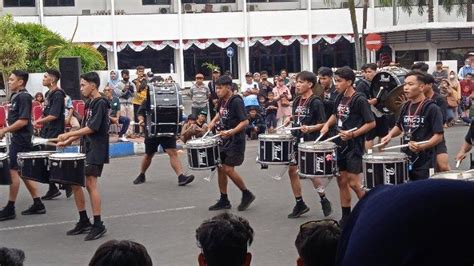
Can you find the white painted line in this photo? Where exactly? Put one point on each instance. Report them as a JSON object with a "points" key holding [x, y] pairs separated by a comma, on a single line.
{"points": [[105, 218]]}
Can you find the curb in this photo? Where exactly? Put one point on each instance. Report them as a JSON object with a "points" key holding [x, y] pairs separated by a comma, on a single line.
{"points": [[122, 149]]}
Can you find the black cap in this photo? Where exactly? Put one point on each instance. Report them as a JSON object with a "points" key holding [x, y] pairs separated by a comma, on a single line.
{"points": [[203, 113], [191, 117]]}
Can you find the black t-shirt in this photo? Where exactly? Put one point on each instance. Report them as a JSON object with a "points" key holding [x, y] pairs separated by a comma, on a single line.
{"points": [[352, 112], [271, 103], [55, 106], [363, 86], [231, 113], [329, 99], [307, 112], [96, 145], [470, 134], [20, 108], [442, 104], [419, 121]]}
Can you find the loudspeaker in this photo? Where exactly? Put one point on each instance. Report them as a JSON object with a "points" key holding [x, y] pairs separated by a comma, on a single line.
{"points": [[70, 68]]}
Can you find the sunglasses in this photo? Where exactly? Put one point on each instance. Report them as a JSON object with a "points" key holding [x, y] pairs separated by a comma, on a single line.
{"points": [[310, 224]]}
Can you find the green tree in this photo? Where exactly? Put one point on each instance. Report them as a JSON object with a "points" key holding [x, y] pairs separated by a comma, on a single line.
{"points": [[13, 50], [91, 59]]}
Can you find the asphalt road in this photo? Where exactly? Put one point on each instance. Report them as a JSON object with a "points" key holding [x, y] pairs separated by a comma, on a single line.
{"points": [[163, 216]]}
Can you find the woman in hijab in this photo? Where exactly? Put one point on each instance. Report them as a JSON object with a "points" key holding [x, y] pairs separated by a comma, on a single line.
{"points": [[114, 81]]}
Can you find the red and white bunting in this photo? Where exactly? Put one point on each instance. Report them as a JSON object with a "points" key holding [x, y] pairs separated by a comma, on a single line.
{"points": [[332, 38]]}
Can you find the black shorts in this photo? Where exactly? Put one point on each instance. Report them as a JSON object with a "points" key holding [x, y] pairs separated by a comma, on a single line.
{"points": [[350, 162], [94, 169], [441, 148], [380, 130], [232, 158], [151, 144], [13, 154], [418, 174]]}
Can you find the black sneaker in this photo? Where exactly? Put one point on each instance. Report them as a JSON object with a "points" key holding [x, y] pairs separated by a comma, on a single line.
{"points": [[183, 180], [221, 205], [68, 190], [247, 198], [51, 194], [34, 209], [140, 179], [80, 228], [7, 214], [298, 210], [97, 231], [326, 205]]}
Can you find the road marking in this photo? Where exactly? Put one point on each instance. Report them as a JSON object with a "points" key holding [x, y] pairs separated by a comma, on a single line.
{"points": [[105, 218]]}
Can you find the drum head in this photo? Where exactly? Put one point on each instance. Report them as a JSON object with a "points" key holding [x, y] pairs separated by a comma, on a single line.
{"points": [[311, 146], [389, 79], [455, 175], [67, 156], [275, 137], [385, 157], [3, 156], [198, 143], [33, 154]]}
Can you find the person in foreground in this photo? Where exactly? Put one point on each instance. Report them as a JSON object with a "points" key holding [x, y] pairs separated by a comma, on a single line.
{"points": [[121, 253], [224, 240]]}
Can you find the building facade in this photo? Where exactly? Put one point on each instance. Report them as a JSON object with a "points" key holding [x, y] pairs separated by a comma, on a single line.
{"points": [[179, 36]]}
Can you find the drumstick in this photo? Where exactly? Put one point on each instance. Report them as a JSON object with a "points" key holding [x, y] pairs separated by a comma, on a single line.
{"points": [[404, 145], [282, 126], [320, 136], [458, 163], [207, 133], [338, 135], [469, 171], [378, 145], [296, 128]]}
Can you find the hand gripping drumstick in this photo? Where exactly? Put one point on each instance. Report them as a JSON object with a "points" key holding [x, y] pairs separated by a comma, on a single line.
{"points": [[404, 145], [297, 128], [338, 135]]}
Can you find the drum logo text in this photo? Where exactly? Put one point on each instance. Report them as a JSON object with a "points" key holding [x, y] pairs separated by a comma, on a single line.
{"points": [[319, 162], [388, 173], [202, 158], [276, 151]]}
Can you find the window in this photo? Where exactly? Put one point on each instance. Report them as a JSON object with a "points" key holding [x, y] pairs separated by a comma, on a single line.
{"points": [[406, 58], [275, 57], [195, 57], [19, 3], [339, 54], [58, 2], [156, 2], [159, 61]]}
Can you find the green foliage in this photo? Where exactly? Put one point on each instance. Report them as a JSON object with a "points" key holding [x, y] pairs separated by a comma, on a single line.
{"points": [[210, 66], [91, 59], [35, 36]]}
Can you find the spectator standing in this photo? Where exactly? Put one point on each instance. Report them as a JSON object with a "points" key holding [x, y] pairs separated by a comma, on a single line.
{"points": [[71, 116], [439, 73], [126, 92], [199, 94], [115, 116], [467, 68], [271, 107], [216, 73], [283, 97], [261, 105], [284, 76], [113, 82], [141, 93], [39, 98], [250, 92], [256, 78], [292, 86], [467, 87], [256, 124], [450, 97], [265, 85]]}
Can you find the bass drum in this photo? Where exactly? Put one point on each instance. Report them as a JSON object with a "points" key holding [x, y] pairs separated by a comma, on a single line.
{"points": [[387, 78]]}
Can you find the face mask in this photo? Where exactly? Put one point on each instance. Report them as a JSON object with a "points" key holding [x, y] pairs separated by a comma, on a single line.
{"points": [[451, 76]]}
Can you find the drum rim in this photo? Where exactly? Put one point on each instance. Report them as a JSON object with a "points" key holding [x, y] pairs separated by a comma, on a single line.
{"points": [[376, 156], [305, 146], [459, 173], [200, 145], [274, 137], [33, 155], [54, 156], [3, 156], [313, 176], [274, 163]]}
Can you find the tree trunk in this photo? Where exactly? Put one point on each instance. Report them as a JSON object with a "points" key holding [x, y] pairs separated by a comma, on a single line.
{"points": [[5, 84], [430, 11], [469, 11], [364, 27], [355, 29]]}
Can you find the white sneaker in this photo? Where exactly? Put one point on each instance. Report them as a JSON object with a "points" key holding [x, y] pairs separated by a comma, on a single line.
{"points": [[124, 139]]}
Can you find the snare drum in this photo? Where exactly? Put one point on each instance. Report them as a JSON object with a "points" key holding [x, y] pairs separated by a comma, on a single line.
{"points": [[385, 168], [203, 154], [5, 177], [67, 168], [317, 160], [455, 175], [34, 166], [3, 146], [275, 148]]}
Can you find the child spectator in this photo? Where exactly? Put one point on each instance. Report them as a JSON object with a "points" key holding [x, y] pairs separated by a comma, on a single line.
{"points": [[271, 107], [256, 124]]}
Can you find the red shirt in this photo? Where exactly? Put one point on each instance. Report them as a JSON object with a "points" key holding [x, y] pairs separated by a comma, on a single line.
{"points": [[467, 86]]}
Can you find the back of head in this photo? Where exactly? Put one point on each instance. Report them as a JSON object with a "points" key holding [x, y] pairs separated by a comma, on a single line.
{"points": [[325, 71], [92, 77], [54, 73], [317, 242], [224, 80], [121, 253], [421, 66], [372, 66], [429, 79], [345, 73], [11, 257], [224, 240], [22, 75]]}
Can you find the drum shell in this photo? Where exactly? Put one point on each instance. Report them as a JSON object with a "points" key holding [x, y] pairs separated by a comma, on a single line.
{"points": [[163, 118], [34, 168], [388, 168], [275, 149], [203, 156], [5, 176], [317, 160], [67, 172]]}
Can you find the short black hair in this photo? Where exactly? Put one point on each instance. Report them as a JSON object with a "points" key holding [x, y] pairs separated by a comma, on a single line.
{"points": [[284, 70], [121, 253], [307, 76], [429, 79], [140, 67], [224, 239], [372, 66], [439, 63], [11, 256], [317, 242], [20, 74], [420, 76], [125, 71], [92, 77], [346, 73], [468, 74], [420, 66], [264, 72], [224, 80], [54, 73], [325, 71]]}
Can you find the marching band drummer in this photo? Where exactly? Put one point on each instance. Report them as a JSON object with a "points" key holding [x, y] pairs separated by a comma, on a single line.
{"points": [[308, 110], [467, 145], [351, 110], [420, 120], [230, 122], [21, 129], [95, 144]]}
